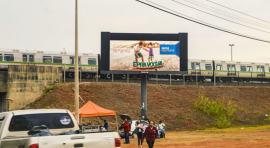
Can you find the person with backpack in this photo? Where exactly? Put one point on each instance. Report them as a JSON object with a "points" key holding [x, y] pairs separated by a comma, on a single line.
{"points": [[126, 127], [161, 129], [151, 133]]}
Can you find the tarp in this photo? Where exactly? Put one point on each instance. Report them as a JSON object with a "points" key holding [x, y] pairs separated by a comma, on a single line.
{"points": [[90, 109]]}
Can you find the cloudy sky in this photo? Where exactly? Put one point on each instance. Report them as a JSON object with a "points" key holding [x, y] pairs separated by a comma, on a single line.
{"points": [[49, 25]]}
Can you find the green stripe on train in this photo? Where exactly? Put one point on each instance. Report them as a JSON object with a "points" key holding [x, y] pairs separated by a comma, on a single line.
{"points": [[227, 71], [13, 62]]}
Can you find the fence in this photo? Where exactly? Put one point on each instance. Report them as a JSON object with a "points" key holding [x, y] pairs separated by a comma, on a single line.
{"points": [[183, 81]]}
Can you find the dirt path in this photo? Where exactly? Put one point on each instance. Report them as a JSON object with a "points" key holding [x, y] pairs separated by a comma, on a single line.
{"points": [[230, 138]]}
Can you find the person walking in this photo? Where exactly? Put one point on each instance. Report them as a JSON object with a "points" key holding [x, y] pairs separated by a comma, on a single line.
{"points": [[151, 133], [125, 125], [139, 127]]}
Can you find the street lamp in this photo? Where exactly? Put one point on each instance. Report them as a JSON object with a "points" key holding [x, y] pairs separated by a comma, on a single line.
{"points": [[76, 65], [231, 50]]}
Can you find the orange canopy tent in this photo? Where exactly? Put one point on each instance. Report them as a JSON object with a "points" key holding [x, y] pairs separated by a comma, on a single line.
{"points": [[90, 109]]}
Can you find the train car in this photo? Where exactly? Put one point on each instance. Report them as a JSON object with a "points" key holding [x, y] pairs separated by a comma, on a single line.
{"points": [[241, 71], [202, 69], [88, 62]]}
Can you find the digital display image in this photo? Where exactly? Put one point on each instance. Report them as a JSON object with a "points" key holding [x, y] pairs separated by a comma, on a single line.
{"points": [[144, 55]]}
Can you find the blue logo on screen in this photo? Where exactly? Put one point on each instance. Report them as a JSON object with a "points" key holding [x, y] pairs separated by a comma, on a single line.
{"points": [[170, 49]]}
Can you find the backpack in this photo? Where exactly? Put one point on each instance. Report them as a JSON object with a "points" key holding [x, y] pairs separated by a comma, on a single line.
{"points": [[162, 135]]}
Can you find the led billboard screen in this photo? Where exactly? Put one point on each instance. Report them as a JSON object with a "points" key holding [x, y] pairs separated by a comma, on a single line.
{"points": [[144, 55], [136, 53]]}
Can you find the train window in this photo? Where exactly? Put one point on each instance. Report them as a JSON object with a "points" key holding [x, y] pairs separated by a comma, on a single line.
{"points": [[198, 66], [57, 59], [31, 58], [219, 67], [24, 57], [242, 68], [231, 67], [28, 58], [47, 59], [208, 67], [249, 68], [9, 57], [91, 61], [72, 60], [192, 66], [260, 68], [195, 65], [1, 57]]}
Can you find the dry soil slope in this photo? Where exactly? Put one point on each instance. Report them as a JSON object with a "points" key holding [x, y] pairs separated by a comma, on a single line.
{"points": [[172, 104]]}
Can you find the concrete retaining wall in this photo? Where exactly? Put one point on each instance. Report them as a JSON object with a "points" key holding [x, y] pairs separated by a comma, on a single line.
{"points": [[3, 81], [26, 83]]}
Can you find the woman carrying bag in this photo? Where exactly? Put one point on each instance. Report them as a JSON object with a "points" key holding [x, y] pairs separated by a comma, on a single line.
{"points": [[151, 133], [139, 131]]}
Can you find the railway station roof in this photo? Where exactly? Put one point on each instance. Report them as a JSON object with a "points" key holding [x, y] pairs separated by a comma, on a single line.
{"points": [[90, 109]]}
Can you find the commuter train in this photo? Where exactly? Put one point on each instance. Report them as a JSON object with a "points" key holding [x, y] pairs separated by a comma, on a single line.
{"points": [[88, 62], [89, 65]]}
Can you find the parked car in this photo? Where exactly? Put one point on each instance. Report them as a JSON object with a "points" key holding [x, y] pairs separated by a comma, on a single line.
{"points": [[16, 128], [132, 125]]}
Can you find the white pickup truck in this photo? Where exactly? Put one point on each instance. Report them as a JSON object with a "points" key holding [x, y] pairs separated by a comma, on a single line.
{"points": [[15, 125]]}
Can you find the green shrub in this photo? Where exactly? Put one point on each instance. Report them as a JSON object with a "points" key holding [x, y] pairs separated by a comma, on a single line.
{"points": [[48, 88], [223, 112], [47, 107]]}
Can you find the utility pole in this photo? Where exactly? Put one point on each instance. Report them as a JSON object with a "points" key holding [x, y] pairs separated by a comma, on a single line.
{"points": [[76, 65], [231, 50]]}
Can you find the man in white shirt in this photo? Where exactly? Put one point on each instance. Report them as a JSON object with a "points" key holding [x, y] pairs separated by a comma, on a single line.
{"points": [[161, 128]]}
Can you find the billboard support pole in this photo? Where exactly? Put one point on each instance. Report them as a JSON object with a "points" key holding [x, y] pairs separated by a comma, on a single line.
{"points": [[143, 96], [127, 78], [112, 77], [156, 78]]}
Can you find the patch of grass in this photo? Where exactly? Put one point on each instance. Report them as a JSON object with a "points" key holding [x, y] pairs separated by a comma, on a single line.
{"points": [[180, 116], [223, 112], [48, 88], [238, 129], [37, 100], [47, 107]]}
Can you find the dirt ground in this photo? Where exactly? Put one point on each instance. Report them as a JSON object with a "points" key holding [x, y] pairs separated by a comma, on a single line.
{"points": [[258, 137]]}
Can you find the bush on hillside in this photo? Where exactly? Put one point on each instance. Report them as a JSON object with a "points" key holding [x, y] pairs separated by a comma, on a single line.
{"points": [[223, 112]]}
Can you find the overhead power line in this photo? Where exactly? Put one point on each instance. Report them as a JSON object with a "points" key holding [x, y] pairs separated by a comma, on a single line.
{"points": [[220, 17], [200, 22], [224, 13], [238, 11]]}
